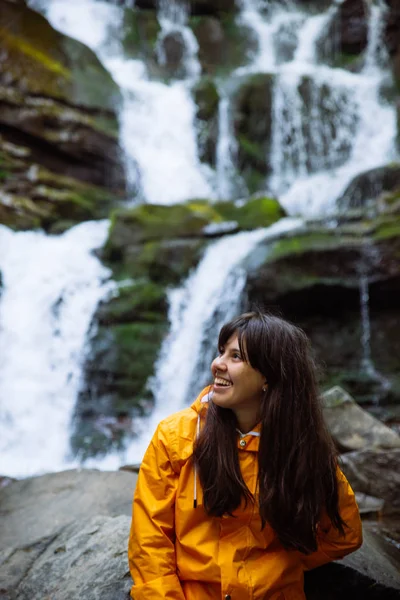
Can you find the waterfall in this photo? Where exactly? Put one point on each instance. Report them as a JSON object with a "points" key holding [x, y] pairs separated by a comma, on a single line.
{"points": [[215, 286], [351, 117], [157, 120], [52, 286], [328, 126], [376, 56]]}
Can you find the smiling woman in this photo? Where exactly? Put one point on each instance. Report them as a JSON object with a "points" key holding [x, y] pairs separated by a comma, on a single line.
{"points": [[272, 501]]}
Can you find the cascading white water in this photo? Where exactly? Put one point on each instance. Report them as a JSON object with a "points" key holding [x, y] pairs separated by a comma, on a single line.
{"points": [[157, 120], [215, 284], [228, 181], [360, 123], [51, 287]]}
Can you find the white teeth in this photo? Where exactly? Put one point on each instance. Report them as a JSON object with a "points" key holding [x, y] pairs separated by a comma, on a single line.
{"points": [[220, 381]]}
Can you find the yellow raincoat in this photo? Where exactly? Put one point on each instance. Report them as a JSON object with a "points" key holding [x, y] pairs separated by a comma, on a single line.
{"points": [[178, 552]]}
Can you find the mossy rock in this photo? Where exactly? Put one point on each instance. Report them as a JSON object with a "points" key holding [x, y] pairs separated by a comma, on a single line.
{"points": [[136, 302], [365, 190], [256, 212], [42, 61], [224, 43], [154, 222], [34, 197], [206, 98], [150, 224], [252, 113], [120, 362]]}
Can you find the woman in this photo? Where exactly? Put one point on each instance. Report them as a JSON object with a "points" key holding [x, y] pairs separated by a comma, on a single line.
{"points": [[240, 493]]}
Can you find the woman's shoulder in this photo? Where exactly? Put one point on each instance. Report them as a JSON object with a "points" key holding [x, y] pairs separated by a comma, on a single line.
{"points": [[178, 431]]}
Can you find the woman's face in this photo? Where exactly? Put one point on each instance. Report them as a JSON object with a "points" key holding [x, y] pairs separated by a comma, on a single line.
{"points": [[236, 384]]}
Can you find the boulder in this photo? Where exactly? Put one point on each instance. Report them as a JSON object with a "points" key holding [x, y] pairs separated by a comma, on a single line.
{"points": [[39, 507], [224, 43], [366, 189], [352, 427], [88, 559], [57, 111], [375, 472]]}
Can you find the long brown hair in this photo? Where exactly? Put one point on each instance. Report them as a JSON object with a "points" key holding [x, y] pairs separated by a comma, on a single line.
{"points": [[297, 460]]}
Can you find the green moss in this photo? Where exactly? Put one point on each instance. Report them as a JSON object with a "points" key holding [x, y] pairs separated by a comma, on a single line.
{"points": [[165, 263], [142, 301], [206, 97], [34, 54], [41, 61], [346, 61], [303, 243], [256, 212], [387, 230]]}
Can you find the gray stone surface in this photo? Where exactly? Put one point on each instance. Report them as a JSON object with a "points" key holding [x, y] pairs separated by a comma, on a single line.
{"points": [[34, 508], [376, 473], [352, 427], [86, 560]]}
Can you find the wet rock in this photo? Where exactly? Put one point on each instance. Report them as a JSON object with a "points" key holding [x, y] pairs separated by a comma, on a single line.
{"points": [[207, 99], [352, 427], [38, 507], [198, 7], [57, 111], [224, 43], [252, 106], [172, 51], [366, 189], [353, 25], [392, 26], [376, 473]]}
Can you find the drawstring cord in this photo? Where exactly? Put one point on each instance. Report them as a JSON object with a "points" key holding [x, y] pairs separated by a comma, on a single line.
{"points": [[195, 466], [203, 400]]}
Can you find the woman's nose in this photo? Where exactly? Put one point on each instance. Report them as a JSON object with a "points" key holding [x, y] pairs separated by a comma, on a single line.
{"points": [[218, 364]]}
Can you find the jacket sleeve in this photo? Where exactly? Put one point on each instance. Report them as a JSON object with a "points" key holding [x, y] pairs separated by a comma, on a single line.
{"points": [[331, 545], [151, 551]]}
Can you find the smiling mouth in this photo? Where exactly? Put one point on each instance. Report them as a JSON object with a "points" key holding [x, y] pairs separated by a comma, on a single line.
{"points": [[220, 382]]}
